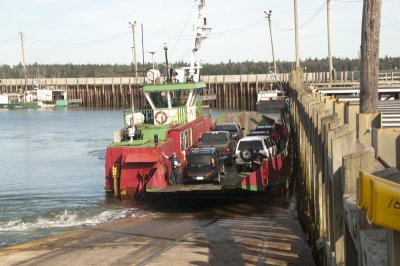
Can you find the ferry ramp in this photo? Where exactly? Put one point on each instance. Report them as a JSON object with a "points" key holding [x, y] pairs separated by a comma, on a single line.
{"points": [[231, 231]]}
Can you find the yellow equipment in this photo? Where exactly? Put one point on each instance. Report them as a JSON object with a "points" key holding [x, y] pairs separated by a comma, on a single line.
{"points": [[381, 199]]}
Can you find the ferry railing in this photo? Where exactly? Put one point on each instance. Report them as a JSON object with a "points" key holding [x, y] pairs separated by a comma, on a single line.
{"points": [[148, 113]]}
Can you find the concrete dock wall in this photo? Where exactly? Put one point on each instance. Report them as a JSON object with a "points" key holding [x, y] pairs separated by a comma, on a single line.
{"points": [[330, 154]]}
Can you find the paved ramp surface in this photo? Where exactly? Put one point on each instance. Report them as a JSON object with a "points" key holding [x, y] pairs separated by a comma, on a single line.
{"points": [[260, 230]]}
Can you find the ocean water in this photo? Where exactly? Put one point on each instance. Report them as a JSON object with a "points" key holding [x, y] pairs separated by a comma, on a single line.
{"points": [[52, 172]]}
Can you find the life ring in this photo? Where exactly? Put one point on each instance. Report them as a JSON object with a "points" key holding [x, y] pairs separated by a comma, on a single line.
{"points": [[161, 117]]}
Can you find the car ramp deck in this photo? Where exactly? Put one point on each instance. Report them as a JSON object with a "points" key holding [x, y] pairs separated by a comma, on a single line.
{"points": [[229, 182]]}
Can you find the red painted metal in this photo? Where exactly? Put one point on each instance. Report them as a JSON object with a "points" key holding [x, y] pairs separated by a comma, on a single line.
{"points": [[143, 167], [273, 172]]}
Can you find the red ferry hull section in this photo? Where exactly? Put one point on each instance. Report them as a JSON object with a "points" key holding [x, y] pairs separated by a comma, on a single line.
{"points": [[146, 167]]}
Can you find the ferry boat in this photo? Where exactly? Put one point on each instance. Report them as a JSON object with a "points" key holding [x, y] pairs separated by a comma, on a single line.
{"points": [[135, 162], [174, 123]]}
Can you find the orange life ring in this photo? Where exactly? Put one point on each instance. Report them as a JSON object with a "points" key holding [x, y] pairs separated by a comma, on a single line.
{"points": [[161, 117]]}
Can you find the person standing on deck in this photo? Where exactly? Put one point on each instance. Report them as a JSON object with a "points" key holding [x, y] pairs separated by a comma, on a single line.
{"points": [[258, 159], [176, 164]]}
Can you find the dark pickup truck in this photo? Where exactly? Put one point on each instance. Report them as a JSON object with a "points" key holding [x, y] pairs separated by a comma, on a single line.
{"points": [[233, 128], [222, 141]]}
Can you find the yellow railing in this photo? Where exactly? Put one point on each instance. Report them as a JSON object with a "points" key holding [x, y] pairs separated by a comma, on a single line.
{"points": [[380, 198]]}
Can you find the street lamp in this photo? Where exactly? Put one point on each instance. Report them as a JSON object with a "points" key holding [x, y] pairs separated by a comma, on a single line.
{"points": [[152, 58]]}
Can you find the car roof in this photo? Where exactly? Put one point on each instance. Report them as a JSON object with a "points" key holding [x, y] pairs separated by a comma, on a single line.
{"points": [[266, 126], [217, 132], [254, 138], [258, 133], [228, 124], [207, 150]]}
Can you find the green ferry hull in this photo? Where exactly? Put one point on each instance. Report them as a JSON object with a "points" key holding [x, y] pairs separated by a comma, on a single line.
{"points": [[64, 103]]}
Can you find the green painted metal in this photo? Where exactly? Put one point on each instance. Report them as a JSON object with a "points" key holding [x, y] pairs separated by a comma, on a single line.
{"points": [[174, 86], [30, 105], [148, 137], [150, 130], [61, 103], [199, 108], [182, 115]]}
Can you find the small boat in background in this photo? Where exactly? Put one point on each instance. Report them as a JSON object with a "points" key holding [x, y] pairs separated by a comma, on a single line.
{"points": [[49, 97], [37, 97], [16, 101], [270, 100]]}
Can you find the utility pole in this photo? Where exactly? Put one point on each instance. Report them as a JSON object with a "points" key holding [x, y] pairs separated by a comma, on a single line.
{"points": [[134, 62], [296, 31], [328, 22], [272, 42], [370, 56], [23, 57], [142, 48]]}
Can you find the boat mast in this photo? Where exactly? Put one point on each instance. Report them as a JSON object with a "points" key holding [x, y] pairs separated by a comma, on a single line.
{"points": [[23, 58], [268, 16], [200, 31]]}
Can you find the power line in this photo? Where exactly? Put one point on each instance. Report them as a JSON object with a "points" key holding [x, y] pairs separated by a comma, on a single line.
{"points": [[8, 40], [306, 23], [182, 29], [238, 29], [179, 37], [313, 17], [348, 1], [79, 44]]}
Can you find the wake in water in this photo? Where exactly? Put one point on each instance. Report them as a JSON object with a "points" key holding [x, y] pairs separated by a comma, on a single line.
{"points": [[53, 223]]}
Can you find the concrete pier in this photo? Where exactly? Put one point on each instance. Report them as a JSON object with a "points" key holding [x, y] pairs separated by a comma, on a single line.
{"points": [[333, 143]]}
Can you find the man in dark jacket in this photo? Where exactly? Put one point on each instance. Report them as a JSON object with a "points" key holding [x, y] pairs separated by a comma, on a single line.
{"points": [[258, 159], [175, 164]]}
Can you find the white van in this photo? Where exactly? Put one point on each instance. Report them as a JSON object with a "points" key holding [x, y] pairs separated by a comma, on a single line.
{"points": [[246, 148]]}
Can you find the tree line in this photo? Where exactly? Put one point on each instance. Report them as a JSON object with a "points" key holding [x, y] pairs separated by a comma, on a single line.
{"points": [[230, 68]]}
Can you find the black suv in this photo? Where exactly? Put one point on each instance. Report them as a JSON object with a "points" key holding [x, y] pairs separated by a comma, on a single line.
{"points": [[204, 164], [269, 130], [222, 141]]}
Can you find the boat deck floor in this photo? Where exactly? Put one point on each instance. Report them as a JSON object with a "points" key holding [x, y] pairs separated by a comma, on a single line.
{"points": [[228, 181]]}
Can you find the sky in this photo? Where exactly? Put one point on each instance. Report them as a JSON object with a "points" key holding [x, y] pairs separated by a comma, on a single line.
{"points": [[98, 31]]}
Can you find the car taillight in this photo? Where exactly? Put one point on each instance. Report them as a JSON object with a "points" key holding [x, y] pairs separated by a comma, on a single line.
{"points": [[228, 149], [209, 174]]}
